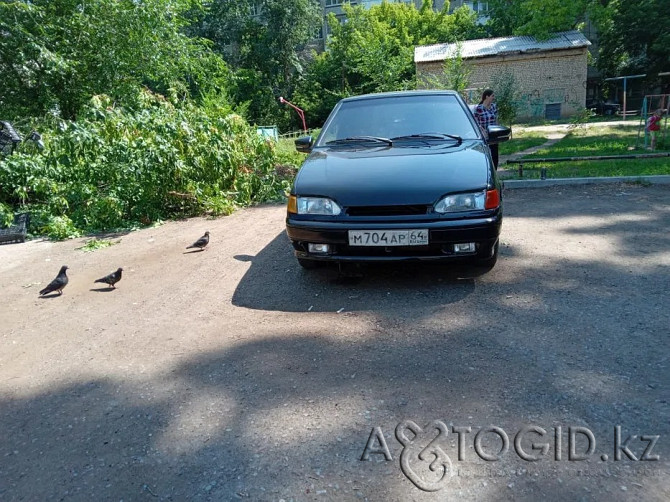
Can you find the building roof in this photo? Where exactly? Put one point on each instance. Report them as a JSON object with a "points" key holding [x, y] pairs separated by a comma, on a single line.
{"points": [[500, 46]]}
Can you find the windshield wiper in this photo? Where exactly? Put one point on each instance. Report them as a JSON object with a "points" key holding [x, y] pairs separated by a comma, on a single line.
{"points": [[431, 135], [360, 139]]}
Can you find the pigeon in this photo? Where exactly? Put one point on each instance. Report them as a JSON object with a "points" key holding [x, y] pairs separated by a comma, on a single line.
{"points": [[201, 242], [112, 278], [58, 283]]}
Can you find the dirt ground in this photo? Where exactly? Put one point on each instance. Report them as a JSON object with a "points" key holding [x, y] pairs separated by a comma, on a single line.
{"points": [[233, 374]]}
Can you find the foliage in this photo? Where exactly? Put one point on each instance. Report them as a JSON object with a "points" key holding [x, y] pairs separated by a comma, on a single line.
{"points": [[6, 215], [264, 49], [507, 93], [581, 118], [598, 141], [56, 54], [456, 73], [522, 141], [599, 168], [634, 38], [537, 18], [612, 140], [95, 244], [287, 155], [629, 40], [373, 51], [115, 168]]}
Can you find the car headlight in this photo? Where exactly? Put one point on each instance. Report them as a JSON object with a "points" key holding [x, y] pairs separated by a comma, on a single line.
{"points": [[313, 205], [461, 202]]}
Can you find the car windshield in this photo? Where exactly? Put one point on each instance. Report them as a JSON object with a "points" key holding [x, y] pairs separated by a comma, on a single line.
{"points": [[419, 117]]}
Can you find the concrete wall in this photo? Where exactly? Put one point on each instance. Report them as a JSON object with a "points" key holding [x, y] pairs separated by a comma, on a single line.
{"points": [[544, 78]]}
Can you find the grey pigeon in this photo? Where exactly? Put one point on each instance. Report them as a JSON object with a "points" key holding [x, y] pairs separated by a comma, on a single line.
{"points": [[112, 278], [201, 242], [58, 283]]}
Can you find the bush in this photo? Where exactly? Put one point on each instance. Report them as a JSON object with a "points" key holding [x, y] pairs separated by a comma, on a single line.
{"points": [[507, 92], [115, 168]]}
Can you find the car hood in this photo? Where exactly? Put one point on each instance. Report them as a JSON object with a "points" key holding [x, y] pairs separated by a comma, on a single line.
{"points": [[395, 175]]}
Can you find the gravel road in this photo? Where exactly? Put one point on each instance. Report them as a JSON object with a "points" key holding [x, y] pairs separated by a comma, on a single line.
{"points": [[231, 373]]}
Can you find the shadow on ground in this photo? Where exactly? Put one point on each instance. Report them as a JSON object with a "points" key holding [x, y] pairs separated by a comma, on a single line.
{"points": [[287, 416], [379, 287]]}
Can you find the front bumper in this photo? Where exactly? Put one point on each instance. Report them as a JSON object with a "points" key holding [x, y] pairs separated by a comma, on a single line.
{"points": [[443, 234]]}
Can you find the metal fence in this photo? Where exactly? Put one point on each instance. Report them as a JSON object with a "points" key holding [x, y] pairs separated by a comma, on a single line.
{"points": [[299, 134]]}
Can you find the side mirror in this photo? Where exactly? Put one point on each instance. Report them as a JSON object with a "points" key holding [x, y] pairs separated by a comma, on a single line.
{"points": [[498, 134], [304, 144]]}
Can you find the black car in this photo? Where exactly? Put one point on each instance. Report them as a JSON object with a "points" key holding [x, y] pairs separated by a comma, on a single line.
{"points": [[397, 176], [603, 108]]}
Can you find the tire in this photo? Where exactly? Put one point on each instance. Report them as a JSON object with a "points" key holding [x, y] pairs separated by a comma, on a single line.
{"points": [[309, 264], [490, 261]]}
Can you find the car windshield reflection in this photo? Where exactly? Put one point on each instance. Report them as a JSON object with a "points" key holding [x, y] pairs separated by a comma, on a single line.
{"points": [[430, 136], [360, 139], [412, 117]]}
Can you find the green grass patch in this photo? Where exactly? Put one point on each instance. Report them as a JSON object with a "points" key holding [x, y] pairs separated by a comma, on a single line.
{"points": [[623, 139], [521, 141], [287, 152], [594, 141], [594, 168], [95, 244]]}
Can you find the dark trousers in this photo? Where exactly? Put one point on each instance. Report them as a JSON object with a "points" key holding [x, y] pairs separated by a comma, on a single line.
{"points": [[494, 154]]}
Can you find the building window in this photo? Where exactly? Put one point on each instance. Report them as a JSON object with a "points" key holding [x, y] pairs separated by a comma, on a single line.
{"points": [[552, 111], [332, 3], [478, 7]]}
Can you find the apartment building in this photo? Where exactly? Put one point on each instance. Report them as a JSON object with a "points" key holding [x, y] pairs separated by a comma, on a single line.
{"points": [[335, 7]]}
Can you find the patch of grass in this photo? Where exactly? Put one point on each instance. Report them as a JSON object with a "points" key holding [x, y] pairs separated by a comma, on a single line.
{"points": [[287, 154], [521, 141], [595, 168], [95, 244], [541, 121], [622, 139], [611, 140]]}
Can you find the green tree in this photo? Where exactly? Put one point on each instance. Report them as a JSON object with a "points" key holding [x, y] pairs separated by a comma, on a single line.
{"points": [[263, 41], [635, 38], [456, 72], [537, 18], [56, 54], [374, 51], [507, 94]]}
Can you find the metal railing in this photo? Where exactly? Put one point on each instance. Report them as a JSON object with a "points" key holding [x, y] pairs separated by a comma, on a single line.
{"points": [[298, 134]]}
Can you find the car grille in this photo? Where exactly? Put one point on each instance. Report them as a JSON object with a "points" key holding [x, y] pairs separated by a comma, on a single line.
{"points": [[417, 251], [406, 210]]}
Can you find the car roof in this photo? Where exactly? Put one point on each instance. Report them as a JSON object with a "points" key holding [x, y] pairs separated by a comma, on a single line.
{"points": [[422, 92]]}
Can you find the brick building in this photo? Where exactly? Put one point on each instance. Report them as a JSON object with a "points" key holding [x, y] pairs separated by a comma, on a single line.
{"points": [[551, 75]]}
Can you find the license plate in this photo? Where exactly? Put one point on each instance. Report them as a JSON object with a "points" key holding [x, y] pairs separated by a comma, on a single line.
{"points": [[388, 237]]}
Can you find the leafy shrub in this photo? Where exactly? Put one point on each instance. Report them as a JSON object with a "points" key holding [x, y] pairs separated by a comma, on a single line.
{"points": [[506, 89], [6, 215], [116, 168]]}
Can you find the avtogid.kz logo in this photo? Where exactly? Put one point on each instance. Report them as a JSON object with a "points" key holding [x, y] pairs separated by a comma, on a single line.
{"points": [[425, 463]]}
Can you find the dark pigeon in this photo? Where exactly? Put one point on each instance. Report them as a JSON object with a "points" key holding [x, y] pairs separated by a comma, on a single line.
{"points": [[112, 278], [201, 242], [57, 284]]}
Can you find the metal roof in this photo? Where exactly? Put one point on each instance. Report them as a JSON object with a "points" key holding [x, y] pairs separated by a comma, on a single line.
{"points": [[500, 46]]}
